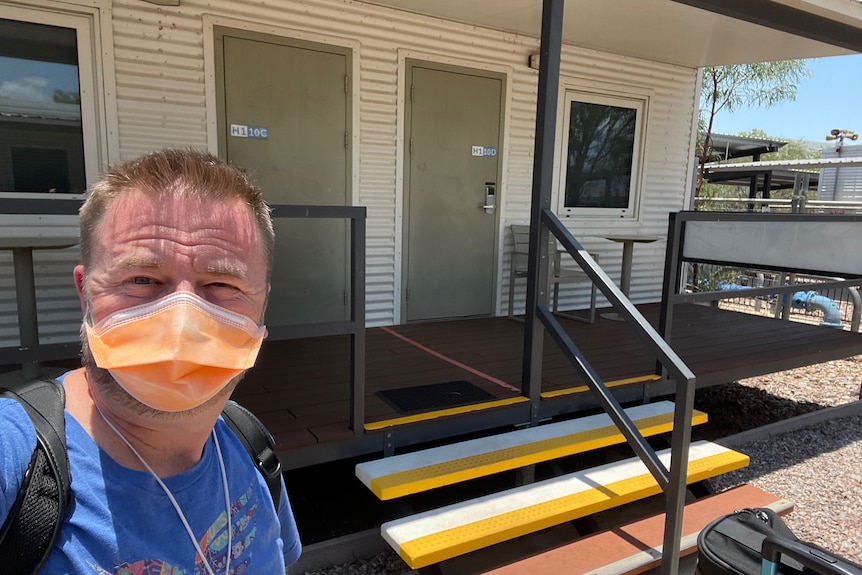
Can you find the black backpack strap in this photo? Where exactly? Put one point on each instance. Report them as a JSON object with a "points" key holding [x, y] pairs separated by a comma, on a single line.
{"points": [[259, 443], [34, 521]]}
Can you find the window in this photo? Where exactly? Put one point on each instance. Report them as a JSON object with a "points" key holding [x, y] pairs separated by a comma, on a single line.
{"points": [[48, 124], [600, 171]]}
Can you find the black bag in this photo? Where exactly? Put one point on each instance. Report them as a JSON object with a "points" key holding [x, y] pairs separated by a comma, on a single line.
{"points": [[742, 543], [34, 521]]}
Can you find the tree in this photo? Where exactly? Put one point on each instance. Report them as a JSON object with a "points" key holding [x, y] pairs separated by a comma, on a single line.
{"points": [[64, 97], [730, 87]]}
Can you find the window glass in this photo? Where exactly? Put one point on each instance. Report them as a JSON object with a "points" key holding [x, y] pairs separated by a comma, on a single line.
{"points": [[601, 149], [41, 138]]}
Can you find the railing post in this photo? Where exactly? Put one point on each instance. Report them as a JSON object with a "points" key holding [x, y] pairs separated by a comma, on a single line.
{"points": [[25, 294], [357, 317], [672, 274], [543, 167], [677, 476]]}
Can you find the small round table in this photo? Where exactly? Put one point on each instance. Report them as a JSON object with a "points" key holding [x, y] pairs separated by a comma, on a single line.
{"points": [[628, 241]]}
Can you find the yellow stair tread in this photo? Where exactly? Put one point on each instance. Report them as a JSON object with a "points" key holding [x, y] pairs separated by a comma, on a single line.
{"points": [[608, 384], [440, 413], [415, 472], [441, 534]]}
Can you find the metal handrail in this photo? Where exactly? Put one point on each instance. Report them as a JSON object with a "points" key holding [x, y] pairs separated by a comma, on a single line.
{"points": [[542, 220], [355, 326], [673, 482]]}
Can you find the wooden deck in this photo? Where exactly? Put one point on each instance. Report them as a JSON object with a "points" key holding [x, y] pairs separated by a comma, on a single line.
{"points": [[300, 387]]}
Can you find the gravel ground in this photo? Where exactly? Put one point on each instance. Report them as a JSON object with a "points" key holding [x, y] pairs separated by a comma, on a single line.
{"points": [[382, 564], [818, 467]]}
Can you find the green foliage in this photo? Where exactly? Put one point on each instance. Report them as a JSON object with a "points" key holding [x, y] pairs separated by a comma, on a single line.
{"points": [[708, 277], [794, 150], [64, 97], [744, 85], [750, 85]]}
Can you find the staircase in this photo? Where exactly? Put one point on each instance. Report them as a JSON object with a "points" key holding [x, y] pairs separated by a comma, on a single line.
{"points": [[441, 534]]}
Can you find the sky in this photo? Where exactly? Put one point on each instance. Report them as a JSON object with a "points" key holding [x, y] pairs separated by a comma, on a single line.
{"points": [[831, 99], [35, 81]]}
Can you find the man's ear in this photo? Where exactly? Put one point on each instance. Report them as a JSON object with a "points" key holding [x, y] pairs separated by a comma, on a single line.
{"points": [[78, 273]]}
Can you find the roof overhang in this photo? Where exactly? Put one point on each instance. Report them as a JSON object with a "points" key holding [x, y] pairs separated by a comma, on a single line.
{"points": [[729, 147], [779, 179], [691, 33], [782, 173]]}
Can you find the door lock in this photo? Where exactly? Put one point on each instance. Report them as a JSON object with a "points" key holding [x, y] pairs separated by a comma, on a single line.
{"points": [[490, 197]]}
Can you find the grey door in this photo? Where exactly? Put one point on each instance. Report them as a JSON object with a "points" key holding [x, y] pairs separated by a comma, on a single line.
{"points": [[284, 116], [453, 134]]}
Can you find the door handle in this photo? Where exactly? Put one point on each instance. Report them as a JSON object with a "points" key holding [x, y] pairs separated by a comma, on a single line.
{"points": [[490, 197]]}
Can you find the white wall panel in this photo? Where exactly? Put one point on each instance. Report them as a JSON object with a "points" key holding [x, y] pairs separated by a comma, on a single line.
{"points": [[842, 183]]}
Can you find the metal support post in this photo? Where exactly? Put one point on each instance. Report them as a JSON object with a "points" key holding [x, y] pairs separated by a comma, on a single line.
{"points": [[543, 168], [25, 292]]}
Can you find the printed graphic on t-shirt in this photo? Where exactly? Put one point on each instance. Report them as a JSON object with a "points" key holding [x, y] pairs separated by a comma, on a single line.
{"points": [[213, 544]]}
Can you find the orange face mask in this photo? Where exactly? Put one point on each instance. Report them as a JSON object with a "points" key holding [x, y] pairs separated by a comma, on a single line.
{"points": [[175, 353]]}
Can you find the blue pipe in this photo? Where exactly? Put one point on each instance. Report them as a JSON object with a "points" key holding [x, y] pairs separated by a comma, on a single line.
{"points": [[810, 301], [729, 286]]}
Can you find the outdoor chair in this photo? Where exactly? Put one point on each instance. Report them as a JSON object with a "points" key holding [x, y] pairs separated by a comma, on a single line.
{"points": [[557, 274]]}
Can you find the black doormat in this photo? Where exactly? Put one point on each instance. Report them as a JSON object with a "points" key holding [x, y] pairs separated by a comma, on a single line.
{"points": [[434, 396]]}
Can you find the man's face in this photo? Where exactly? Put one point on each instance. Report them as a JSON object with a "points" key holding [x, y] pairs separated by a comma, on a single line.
{"points": [[148, 248]]}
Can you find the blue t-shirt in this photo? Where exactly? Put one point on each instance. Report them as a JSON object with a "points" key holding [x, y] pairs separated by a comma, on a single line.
{"points": [[123, 523]]}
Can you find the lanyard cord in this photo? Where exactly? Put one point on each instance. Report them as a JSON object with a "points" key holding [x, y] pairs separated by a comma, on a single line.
{"points": [[177, 505]]}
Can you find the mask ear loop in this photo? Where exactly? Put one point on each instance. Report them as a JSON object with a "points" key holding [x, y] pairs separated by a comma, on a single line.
{"points": [[262, 321], [88, 315]]}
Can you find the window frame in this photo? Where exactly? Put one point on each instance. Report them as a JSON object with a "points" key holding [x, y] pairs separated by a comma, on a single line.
{"points": [[85, 23], [636, 102]]}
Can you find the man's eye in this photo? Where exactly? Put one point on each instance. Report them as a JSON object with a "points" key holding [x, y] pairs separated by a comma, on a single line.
{"points": [[142, 281]]}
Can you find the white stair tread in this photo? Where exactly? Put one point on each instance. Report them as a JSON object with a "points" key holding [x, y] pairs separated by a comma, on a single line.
{"points": [[401, 475], [440, 534]]}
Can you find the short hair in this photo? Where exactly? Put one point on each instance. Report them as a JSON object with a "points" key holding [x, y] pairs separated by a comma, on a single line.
{"points": [[185, 173]]}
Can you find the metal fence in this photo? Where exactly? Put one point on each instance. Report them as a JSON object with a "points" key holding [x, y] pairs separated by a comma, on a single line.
{"points": [[830, 306], [795, 204], [835, 307]]}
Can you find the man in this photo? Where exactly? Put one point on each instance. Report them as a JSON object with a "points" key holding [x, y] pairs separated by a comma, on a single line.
{"points": [[176, 255]]}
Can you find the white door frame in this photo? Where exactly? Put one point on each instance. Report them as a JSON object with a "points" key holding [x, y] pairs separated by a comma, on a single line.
{"points": [[401, 165]]}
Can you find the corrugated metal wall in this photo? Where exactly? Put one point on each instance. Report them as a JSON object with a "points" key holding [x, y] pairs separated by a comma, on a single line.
{"points": [[841, 183], [57, 304], [159, 67]]}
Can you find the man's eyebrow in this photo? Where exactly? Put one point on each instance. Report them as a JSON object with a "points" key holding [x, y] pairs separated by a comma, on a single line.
{"points": [[227, 271], [135, 262]]}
